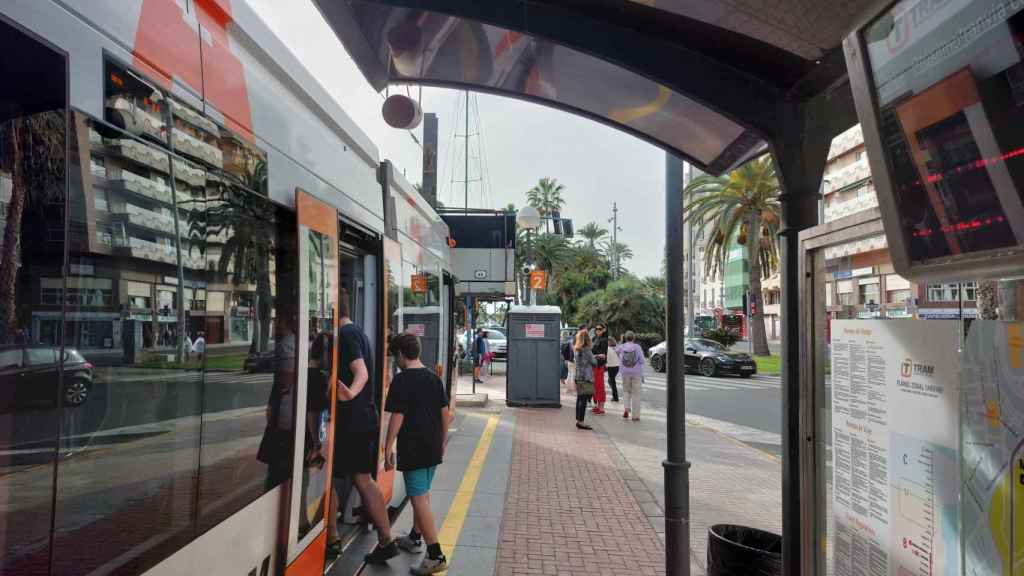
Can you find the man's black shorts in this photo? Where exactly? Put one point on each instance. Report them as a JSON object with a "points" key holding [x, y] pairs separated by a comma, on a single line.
{"points": [[355, 453], [478, 360]]}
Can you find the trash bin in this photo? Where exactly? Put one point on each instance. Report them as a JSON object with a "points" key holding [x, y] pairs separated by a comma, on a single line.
{"points": [[534, 356], [742, 551]]}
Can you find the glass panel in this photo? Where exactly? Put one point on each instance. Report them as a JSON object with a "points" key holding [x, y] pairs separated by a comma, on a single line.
{"points": [[32, 201], [126, 485], [248, 407], [950, 85], [322, 274]]}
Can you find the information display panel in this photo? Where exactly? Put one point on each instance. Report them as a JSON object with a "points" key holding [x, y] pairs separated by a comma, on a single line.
{"points": [[940, 91], [895, 472]]}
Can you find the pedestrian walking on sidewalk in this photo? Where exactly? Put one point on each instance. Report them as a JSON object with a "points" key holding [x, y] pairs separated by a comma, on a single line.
{"points": [[613, 368], [601, 354], [567, 355], [631, 359], [585, 366], [419, 421], [478, 352], [357, 436]]}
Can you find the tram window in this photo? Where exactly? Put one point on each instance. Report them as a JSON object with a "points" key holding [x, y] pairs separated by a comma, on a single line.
{"points": [[134, 104], [951, 111], [195, 135], [33, 131], [248, 408], [243, 161], [321, 273]]}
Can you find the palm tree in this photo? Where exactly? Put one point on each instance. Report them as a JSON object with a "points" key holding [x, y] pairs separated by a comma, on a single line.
{"points": [[546, 197], [618, 253], [592, 233], [32, 148], [742, 206]]}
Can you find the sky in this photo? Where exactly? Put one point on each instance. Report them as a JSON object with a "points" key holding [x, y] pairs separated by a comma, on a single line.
{"points": [[522, 142]]}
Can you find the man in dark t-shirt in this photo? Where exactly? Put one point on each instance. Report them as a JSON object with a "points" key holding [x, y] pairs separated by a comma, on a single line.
{"points": [[356, 434], [418, 405]]}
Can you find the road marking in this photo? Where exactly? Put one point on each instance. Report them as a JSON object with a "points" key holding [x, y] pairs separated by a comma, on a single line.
{"points": [[449, 533]]}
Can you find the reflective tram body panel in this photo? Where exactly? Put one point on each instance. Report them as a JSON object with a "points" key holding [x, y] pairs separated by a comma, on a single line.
{"points": [[163, 296]]}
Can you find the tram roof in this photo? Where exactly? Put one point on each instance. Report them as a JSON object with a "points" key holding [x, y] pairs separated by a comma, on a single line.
{"points": [[703, 78]]}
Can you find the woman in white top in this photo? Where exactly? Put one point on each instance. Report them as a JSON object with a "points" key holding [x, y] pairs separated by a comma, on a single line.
{"points": [[613, 368]]}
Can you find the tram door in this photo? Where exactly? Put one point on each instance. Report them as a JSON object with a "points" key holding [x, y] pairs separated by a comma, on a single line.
{"points": [[316, 371], [360, 285]]}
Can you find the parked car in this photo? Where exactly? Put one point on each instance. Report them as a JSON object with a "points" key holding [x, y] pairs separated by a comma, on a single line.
{"points": [[657, 355], [709, 358], [497, 342], [260, 362], [28, 377]]}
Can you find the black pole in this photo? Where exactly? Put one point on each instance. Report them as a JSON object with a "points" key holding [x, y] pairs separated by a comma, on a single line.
{"points": [[677, 469]]}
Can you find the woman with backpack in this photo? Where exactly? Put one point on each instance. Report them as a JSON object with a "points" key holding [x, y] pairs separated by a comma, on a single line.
{"points": [[585, 363], [631, 368]]}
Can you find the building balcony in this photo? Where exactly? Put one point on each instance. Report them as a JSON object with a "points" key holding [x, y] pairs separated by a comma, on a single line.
{"points": [[186, 173], [140, 153], [856, 247], [843, 177], [145, 250], [146, 219], [187, 144], [194, 118], [845, 142], [859, 204], [121, 180]]}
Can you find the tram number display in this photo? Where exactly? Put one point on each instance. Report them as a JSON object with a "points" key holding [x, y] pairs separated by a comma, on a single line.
{"points": [[538, 280]]}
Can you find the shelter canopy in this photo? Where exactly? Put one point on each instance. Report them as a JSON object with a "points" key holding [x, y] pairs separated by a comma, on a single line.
{"points": [[703, 78]]}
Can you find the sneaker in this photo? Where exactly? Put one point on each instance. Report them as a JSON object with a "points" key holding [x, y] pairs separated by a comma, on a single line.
{"points": [[625, 414], [430, 566], [582, 426], [381, 554], [636, 419], [409, 545]]}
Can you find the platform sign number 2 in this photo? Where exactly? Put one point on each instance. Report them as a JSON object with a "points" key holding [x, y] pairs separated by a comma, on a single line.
{"points": [[538, 280]]}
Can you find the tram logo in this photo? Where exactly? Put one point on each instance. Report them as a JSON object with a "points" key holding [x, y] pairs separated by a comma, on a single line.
{"points": [[910, 368]]}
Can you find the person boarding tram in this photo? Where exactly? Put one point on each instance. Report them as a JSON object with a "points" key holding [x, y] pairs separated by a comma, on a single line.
{"points": [[356, 433]]}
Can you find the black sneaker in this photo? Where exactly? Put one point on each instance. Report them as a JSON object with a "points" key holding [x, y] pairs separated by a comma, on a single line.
{"points": [[381, 554]]}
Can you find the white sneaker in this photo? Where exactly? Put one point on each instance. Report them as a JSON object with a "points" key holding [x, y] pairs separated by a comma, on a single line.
{"points": [[410, 545], [430, 566]]}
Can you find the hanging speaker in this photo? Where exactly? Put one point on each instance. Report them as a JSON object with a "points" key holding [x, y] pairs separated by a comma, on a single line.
{"points": [[402, 112]]}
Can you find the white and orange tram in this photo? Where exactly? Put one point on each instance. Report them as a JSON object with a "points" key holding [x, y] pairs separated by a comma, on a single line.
{"points": [[184, 211]]}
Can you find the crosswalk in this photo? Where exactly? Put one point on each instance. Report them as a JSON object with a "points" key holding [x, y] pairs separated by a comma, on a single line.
{"points": [[695, 382]]}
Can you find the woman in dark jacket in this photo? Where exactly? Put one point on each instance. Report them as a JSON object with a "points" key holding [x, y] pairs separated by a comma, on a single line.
{"points": [[585, 363], [601, 354]]}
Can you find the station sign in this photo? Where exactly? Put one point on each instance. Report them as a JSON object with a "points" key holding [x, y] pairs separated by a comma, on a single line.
{"points": [[538, 280], [419, 283]]}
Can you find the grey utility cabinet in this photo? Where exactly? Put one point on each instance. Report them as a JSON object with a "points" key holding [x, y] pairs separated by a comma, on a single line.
{"points": [[534, 357]]}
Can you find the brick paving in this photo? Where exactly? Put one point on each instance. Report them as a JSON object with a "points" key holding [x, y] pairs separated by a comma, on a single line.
{"points": [[568, 511]]}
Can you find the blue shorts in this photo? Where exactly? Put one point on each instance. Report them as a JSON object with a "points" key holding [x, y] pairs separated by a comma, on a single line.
{"points": [[418, 481]]}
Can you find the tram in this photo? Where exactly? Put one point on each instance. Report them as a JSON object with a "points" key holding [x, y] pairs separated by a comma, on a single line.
{"points": [[186, 213]]}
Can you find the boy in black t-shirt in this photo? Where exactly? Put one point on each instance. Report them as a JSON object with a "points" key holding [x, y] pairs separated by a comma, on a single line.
{"points": [[419, 420]]}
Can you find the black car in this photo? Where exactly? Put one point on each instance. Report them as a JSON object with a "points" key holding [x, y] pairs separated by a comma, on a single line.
{"points": [[709, 358], [28, 376]]}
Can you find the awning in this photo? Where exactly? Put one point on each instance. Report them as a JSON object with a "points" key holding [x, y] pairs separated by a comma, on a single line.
{"points": [[703, 79]]}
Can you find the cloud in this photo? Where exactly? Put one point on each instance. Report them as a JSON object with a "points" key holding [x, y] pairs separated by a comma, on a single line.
{"points": [[521, 143]]}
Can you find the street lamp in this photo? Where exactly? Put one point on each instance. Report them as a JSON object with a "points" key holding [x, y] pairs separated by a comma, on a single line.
{"points": [[529, 219]]}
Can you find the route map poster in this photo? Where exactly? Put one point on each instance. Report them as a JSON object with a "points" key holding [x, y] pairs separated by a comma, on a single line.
{"points": [[895, 470], [993, 449]]}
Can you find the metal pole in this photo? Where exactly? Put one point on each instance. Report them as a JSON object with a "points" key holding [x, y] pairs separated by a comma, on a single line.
{"points": [[677, 469], [615, 240], [469, 332], [466, 208], [529, 263], [691, 284]]}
